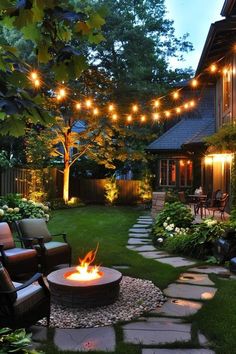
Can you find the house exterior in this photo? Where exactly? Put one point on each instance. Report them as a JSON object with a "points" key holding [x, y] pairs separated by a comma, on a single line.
{"points": [[181, 151]]}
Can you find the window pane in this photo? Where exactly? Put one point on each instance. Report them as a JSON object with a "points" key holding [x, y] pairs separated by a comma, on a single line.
{"points": [[189, 173], [182, 165], [163, 173], [172, 172], [226, 88]]}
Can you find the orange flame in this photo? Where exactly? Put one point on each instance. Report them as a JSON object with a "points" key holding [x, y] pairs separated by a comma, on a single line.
{"points": [[84, 271]]}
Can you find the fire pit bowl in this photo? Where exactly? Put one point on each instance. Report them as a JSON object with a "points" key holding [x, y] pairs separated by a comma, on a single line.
{"points": [[83, 293]]}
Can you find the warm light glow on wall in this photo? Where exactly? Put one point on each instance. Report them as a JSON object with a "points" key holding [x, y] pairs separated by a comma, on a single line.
{"points": [[222, 158]]}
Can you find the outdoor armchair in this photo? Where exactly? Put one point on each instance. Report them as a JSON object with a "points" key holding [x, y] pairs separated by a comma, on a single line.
{"points": [[52, 253], [21, 305], [18, 261]]}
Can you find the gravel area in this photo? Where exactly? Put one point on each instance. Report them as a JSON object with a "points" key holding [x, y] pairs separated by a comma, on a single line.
{"points": [[136, 297]]}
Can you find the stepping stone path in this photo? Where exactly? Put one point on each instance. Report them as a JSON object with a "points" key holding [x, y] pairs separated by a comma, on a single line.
{"points": [[184, 298], [165, 325]]}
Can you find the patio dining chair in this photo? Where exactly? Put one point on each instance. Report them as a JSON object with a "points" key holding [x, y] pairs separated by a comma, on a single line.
{"points": [[219, 206], [52, 253], [21, 305], [19, 262]]}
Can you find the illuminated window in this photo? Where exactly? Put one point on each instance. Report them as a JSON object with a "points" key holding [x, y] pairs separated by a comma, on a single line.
{"points": [[167, 172], [227, 77], [185, 173]]}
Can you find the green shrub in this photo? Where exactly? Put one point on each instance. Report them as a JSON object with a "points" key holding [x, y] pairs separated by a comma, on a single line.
{"points": [[13, 207], [17, 341], [111, 190], [198, 242]]}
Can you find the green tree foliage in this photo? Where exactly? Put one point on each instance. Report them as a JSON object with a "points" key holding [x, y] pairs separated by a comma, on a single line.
{"points": [[49, 26], [145, 189]]}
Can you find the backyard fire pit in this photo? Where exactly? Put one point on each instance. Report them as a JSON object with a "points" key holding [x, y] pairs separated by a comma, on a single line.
{"points": [[85, 285]]}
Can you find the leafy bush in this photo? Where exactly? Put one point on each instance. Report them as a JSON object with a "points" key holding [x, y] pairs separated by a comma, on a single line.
{"points": [[13, 207], [145, 188], [111, 190], [198, 242], [16, 341], [175, 213]]}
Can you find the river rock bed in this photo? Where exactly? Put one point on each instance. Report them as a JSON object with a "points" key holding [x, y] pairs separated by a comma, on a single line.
{"points": [[137, 296]]}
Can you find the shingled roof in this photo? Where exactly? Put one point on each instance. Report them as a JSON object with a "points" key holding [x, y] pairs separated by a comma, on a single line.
{"points": [[187, 131]]}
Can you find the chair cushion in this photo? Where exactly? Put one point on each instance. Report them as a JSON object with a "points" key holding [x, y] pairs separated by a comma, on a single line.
{"points": [[20, 254], [35, 227], [6, 284], [6, 237], [28, 298]]}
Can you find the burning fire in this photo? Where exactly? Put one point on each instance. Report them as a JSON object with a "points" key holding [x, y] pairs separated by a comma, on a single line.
{"points": [[85, 272]]}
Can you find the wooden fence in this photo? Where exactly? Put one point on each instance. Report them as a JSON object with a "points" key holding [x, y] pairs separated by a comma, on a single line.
{"points": [[18, 180], [92, 190]]}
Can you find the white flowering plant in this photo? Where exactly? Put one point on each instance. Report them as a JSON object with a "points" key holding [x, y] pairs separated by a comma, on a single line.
{"points": [[13, 207]]}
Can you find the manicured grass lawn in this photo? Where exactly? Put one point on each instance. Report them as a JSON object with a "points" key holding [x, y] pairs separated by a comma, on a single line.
{"points": [[109, 227]]}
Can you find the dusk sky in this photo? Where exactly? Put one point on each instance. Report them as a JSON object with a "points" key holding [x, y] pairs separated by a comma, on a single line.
{"points": [[194, 17]]}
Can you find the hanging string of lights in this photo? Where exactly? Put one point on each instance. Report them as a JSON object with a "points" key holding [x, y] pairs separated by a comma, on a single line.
{"points": [[157, 107]]}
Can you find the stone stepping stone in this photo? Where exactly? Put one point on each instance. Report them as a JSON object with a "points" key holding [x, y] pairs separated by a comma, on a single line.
{"points": [[144, 249], [196, 279], [85, 339], [185, 291], [131, 247], [209, 269], [178, 308], [203, 341], [145, 217], [139, 235], [177, 351], [153, 255], [137, 241], [143, 222], [139, 231], [141, 226], [156, 331], [177, 261]]}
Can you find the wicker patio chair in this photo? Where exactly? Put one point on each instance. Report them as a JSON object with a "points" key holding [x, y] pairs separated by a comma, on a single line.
{"points": [[52, 253], [21, 305], [19, 262]]}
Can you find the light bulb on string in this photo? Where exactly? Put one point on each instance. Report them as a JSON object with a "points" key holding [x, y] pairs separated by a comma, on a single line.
{"points": [[129, 118], [213, 68], [61, 94], [95, 111], [178, 110], [114, 116], [192, 103], [78, 106], [156, 116], [167, 114], [186, 106], [88, 103], [175, 95], [111, 107], [156, 103], [33, 75], [143, 118], [37, 83], [194, 83], [135, 108]]}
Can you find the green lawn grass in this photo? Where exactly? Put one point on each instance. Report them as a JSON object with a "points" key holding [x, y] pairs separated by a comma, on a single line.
{"points": [[109, 227]]}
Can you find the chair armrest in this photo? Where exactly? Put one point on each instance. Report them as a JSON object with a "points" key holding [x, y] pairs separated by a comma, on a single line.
{"points": [[34, 278], [30, 240], [63, 234]]}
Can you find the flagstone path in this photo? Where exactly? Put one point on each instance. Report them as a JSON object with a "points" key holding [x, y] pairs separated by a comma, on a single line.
{"points": [[165, 325]]}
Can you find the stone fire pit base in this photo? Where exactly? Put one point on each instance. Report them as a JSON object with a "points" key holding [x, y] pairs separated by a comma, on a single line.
{"points": [[136, 297]]}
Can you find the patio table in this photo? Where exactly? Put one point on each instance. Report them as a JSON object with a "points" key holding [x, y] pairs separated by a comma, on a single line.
{"points": [[199, 199]]}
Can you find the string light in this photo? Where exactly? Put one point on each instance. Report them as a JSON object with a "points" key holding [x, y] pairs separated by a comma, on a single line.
{"points": [[143, 119], [114, 116], [186, 106], [61, 94], [156, 116], [88, 103], [156, 103], [78, 106], [167, 114], [178, 110], [111, 107], [129, 118], [33, 75], [192, 103], [95, 111], [213, 68], [194, 83], [176, 95], [37, 83], [135, 108]]}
